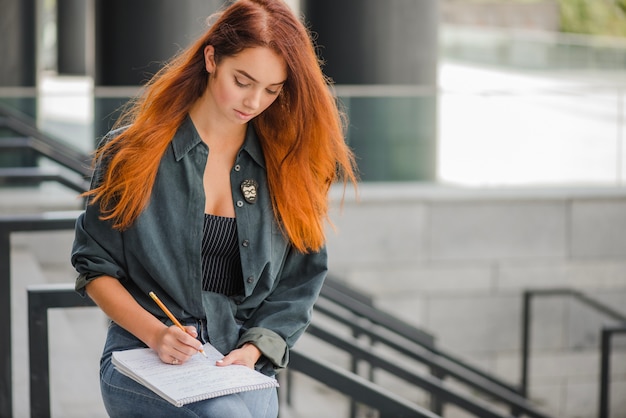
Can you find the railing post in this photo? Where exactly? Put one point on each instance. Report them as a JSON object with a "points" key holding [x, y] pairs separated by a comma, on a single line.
{"points": [[436, 404], [9, 224], [40, 299], [354, 367], [605, 341], [6, 366], [38, 355], [605, 360], [287, 378], [526, 319]]}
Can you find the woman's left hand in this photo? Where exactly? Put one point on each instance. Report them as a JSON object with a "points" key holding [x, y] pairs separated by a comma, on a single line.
{"points": [[247, 355]]}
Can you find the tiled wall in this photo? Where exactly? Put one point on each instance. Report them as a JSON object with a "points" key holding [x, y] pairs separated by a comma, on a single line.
{"points": [[456, 261]]}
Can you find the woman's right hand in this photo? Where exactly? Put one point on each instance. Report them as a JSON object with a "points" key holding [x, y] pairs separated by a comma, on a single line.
{"points": [[172, 344], [175, 346]]}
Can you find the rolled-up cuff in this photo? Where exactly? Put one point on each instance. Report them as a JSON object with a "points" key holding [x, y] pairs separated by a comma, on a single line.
{"points": [[82, 280], [272, 345]]}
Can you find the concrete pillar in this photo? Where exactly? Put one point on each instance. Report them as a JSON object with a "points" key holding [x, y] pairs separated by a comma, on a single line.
{"points": [[134, 38], [391, 43], [18, 70], [18, 54], [17, 43], [72, 23]]}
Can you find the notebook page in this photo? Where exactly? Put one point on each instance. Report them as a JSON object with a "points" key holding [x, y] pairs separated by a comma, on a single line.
{"points": [[198, 378]]}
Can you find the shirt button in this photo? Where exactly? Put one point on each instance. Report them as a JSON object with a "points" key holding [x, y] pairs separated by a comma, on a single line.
{"points": [[237, 167], [239, 203], [245, 243], [250, 279]]}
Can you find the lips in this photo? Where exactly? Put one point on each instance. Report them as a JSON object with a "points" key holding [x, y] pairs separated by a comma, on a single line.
{"points": [[243, 115]]}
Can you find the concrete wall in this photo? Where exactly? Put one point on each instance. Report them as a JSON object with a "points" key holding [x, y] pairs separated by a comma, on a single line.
{"points": [[455, 262]]}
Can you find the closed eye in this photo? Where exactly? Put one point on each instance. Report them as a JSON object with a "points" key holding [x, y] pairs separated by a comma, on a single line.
{"points": [[240, 84]]}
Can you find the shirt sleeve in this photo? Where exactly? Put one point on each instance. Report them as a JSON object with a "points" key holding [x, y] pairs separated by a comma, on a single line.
{"points": [[286, 313], [98, 248]]}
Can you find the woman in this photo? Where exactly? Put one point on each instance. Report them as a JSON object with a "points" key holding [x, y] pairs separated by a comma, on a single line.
{"points": [[212, 192]]}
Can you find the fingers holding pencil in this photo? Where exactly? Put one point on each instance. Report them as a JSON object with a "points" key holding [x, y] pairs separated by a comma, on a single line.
{"points": [[188, 330], [176, 344]]}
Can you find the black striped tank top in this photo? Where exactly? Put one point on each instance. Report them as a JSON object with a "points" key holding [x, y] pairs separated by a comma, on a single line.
{"points": [[221, 263]]}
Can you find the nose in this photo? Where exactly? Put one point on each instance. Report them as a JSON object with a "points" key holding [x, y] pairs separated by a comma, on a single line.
{"points": [[253, 99]]}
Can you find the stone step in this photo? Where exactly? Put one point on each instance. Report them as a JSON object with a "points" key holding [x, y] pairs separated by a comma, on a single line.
{"points": [[43, 198]]}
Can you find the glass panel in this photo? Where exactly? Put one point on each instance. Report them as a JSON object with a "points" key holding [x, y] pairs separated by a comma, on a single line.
{"points": [[66, 110], [394, 138]]}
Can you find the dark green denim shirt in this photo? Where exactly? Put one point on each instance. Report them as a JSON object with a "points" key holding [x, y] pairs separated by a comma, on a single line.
{"points": [[160, 252]]}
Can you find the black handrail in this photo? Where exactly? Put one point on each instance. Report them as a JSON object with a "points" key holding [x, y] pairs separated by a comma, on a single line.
{"points": [[29, 137], [442, 365], [361, 390], [363, 306], [358, 304], [8, 225], [40, 299], [332, 282], [37, 175], [431, 384], [605, 349], [605, 361], [334, 291], [43, 297]]}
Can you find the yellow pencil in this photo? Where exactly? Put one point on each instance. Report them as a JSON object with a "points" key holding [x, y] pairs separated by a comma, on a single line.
{"points": [[171, 316]]}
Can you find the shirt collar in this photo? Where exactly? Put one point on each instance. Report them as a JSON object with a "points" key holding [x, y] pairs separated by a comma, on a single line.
{"points": [[252, 145], [187, 137]]}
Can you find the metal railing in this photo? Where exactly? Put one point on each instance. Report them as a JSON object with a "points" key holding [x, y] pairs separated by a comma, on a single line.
{"points": [[361, 390], [442, 366], [43, 297], [605, 338], [25, 176], [40, 299], [358, 303], [605, 360], [32, 139], [429, 383], [8, 225]]}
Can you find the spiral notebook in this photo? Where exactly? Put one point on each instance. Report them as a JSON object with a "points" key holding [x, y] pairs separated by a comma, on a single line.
{"points": [[195, 380]]}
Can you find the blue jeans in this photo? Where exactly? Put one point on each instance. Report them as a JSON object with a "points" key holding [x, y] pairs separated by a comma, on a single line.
{"points": [[125, 398]]}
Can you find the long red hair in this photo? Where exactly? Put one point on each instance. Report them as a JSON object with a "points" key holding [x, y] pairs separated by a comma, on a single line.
{"points": [[302, 132]]}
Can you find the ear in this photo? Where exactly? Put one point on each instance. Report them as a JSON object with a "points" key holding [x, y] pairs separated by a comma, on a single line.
{"points": [[209, 58]]}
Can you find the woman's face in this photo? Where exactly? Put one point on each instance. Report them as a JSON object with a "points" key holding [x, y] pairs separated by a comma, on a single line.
{"points": [[244, 85]]}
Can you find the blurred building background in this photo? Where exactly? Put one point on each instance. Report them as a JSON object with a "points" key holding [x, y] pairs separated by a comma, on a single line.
{"points": [[490, 139]]}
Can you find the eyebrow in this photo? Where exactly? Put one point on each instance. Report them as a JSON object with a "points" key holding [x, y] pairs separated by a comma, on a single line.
{"points": [[245, 74]]}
